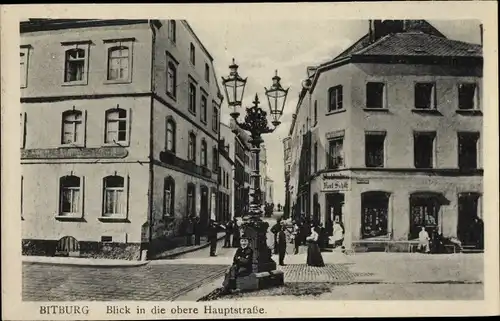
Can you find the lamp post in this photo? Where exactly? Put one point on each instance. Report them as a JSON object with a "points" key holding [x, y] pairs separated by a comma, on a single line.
{"points": [[264, 271]]}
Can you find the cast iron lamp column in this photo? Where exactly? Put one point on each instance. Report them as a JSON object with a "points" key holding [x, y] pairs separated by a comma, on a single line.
{"points": [[264, 273]]}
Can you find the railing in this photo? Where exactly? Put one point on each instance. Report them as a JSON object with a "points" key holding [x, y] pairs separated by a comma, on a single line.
{"points": [[189, 166]]}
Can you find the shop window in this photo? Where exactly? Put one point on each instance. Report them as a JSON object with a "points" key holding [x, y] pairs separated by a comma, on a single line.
{"points": [[424, 212], [375, 213]]}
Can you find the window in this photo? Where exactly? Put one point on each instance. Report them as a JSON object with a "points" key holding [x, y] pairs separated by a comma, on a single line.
{"points": [[315, 113], [335, 98], [168, 196], [192, 54], [118, 63], [192, 98], [425, 96], [117, 126], [24, 63], [70, 201], [215, 118], [467, 150], [22, 194], [171, 80], [23, 130], [204, 161], [423, 149], [207, 73], [215, 158], [315, 151], [375, 95], [114, 196], [203, 107], [170, 135], [191, 200], [75, 66], [192, 147], [467, 97], [72, 128], [374, 211], [172, 32], [374, 149], [424, 212], [106, 239], [335, 156]]}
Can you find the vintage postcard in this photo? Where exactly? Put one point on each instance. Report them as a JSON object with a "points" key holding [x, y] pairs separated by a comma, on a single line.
{"points": [[249, 160]]}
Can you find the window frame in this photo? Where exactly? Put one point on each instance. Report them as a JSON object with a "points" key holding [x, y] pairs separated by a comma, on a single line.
{"points": [[125, 201], [192, 96], [383, 101], [170, 120], [172, 31], [339, 93], [171, 62], [475, 99], [215, 117], [80, 206], [215, 159], [75, 45], [433, 134], [83, 123], [204, 153], [477, 136], [120, 43], [433, 105], [192, 204], [192, 54], [24, 53], [340, 164], [125, 142], [191, 147], [376, 198], [170, 182], [23, 130], [383, 135], [207, 73], [203, 110]]}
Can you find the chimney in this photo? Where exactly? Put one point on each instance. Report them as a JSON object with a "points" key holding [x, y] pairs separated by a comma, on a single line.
{"points": [[481, 33], [370, 30]]}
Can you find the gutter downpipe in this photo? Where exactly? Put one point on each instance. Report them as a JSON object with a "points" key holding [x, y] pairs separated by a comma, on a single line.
{"points": [[151, 140]]}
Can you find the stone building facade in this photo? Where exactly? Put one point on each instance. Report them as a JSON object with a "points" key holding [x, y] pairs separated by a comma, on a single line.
{"points": [[387, 137], [120, 122]]}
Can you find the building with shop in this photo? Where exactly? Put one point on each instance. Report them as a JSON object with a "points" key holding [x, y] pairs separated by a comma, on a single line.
{"points": [[119, 144], [386, 137], [226, 174]]}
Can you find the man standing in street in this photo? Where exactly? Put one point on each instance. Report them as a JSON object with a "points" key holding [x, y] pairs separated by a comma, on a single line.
{"points": [[229, 231], [197, 230], [281, 245], [212, 230], [189, 231], [275, 230]]}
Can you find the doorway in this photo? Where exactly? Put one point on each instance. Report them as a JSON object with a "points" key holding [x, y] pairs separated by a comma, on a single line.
{"points": [[334, 204], [469, 229], [204, 210]]}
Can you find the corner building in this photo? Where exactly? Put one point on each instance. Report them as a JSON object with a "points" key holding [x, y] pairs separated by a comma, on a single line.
{"points": [[119, 145], [387, 137]]}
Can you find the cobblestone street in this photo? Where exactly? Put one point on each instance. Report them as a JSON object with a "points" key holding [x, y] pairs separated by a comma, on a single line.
{"points": [[42, 282]]}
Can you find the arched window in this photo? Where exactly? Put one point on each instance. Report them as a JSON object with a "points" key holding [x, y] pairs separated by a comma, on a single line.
{"points": [[118, 63], [72, 127], [75, 65], [116, 125], [191, 200], [204, 161], [171, 79], [69, 195], [170, 135], [192, 147], [374, 214], [114, 196], [168, 197], [172, 33]]}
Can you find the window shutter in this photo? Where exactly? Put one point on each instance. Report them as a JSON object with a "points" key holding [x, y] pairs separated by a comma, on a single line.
{"points": [[58, 195], [126, 189], [433, 96], [129, 124], [81, 206], [84, 143]]}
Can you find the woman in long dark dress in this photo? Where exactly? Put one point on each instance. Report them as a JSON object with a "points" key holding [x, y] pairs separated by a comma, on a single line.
{"points": [[314, 257]]}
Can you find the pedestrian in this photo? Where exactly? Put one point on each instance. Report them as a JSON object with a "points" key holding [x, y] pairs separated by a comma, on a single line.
{"points": [[229, 231], [189, 231], [314, 257], [275, 230], [242, 265], [338, 234], [423, 241], [281, 245], [212, 230], [236, 233], [323, 238], [197, 230], [297, 238]]}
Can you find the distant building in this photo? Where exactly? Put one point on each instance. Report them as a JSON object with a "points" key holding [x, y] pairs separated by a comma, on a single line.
{"points": [[242, 172], [386, 137], [120, 122], [226, 173]]}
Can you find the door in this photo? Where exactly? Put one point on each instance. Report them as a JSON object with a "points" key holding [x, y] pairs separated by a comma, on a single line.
{"points": [[467, 229], [204, 210]]}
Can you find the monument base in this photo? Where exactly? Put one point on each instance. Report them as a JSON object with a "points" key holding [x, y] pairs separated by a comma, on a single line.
{"points": [[261, 280]]}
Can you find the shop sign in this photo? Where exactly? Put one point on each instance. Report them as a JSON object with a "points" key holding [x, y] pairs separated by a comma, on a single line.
{"points": [[335, 184]]}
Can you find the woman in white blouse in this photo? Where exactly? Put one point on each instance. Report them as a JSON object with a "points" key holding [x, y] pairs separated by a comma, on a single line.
{"points": [[314, 257]]}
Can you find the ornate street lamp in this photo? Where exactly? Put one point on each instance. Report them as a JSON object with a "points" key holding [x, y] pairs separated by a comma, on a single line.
{"points": [[256, 123]]}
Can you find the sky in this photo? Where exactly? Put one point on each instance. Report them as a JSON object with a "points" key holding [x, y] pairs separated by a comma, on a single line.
{"points": [[289, 46]]}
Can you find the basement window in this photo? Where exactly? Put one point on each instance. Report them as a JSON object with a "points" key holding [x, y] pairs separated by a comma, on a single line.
{"points": [[106, 239]]}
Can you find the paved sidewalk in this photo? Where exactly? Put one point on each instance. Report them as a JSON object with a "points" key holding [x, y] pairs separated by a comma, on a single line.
{"points": [[82, 261], [170, 254]]}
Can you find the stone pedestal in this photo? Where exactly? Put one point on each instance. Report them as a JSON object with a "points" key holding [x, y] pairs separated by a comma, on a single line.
{"points": [[264, 273]]}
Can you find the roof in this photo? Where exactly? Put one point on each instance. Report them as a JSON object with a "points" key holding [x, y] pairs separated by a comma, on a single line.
{"points": [[32, 25]]}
